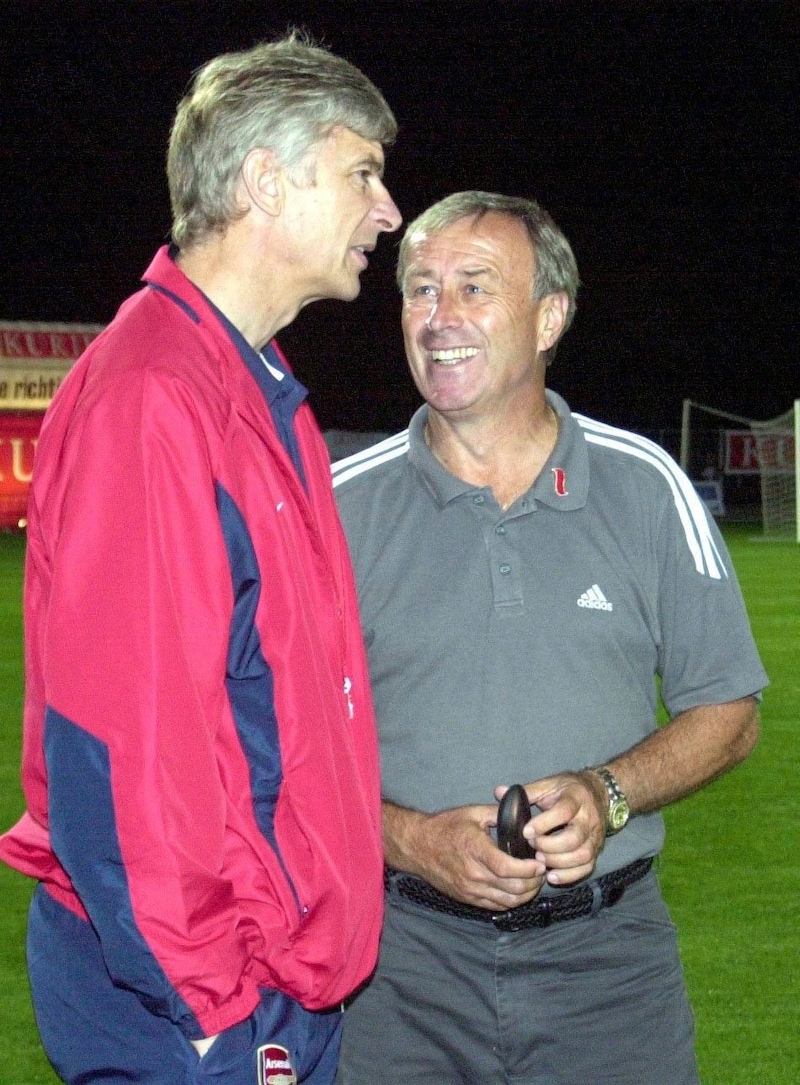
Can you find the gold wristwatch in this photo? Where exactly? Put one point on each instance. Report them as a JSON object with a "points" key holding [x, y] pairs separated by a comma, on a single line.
{"points": [[618, 811]]}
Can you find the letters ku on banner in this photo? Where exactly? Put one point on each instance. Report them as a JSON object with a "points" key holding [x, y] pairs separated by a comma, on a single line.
{"points": [[34, 359], [19, 431], [748, 454]]}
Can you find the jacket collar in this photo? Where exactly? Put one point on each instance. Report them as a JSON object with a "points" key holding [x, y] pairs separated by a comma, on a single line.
{"points": [[241, 377]]}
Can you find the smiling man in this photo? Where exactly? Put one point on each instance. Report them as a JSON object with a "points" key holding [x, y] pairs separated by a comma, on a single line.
{"points": [[200, 765], [524, 575]]}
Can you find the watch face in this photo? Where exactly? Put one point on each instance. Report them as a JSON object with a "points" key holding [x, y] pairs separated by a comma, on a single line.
{"points": [[618, 815]]}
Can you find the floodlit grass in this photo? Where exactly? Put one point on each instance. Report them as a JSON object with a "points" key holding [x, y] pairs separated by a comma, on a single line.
{"points": [[22, 1061], [730, 870]]}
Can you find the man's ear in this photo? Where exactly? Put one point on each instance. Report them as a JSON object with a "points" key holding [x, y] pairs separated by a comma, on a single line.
{"points": [[553, 318], [262, 180]]}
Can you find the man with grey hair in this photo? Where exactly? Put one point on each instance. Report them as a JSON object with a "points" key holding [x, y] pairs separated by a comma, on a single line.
{"points": [[525, 574], [201, 765]]}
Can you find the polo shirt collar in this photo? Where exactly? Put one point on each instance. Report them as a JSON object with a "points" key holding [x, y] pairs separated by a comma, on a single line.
{"points": [[564, 480], [443, 486], [563, 483], [280, 387]]}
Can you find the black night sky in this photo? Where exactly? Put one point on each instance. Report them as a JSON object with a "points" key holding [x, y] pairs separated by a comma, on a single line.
{"points": [[662, 137]]}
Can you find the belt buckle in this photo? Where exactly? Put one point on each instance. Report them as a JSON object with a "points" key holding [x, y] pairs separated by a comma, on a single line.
{"points": [[540, 916], [505, 923]]}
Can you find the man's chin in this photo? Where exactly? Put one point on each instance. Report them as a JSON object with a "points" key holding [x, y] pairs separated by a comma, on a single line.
{"points": [[345, 287], [337, 292], [348, 291]]}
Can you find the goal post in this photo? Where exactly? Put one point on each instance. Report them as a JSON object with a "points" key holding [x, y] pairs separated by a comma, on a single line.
{"points": [[686, 428], [779, 463], [716, 443]]}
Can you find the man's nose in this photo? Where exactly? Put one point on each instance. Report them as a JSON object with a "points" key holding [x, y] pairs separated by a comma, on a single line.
{"points": [[445, 312], [385, 211]]}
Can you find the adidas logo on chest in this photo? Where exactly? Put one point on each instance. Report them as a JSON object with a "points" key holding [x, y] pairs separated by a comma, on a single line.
{"points": [[593, 599]]}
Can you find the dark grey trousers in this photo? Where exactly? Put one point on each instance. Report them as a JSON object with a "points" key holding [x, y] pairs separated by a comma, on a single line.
{"points": [[593, 1001]]}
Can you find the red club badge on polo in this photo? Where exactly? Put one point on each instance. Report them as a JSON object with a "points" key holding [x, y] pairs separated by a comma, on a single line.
{"points": [[560, 481], [275, 1066]]}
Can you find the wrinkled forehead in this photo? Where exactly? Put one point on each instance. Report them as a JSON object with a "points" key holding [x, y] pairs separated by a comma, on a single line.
{"points": [[495, 243], [348, 150]]}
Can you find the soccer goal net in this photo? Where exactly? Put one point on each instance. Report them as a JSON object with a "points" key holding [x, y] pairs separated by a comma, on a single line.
{"points": [[740, 451]]}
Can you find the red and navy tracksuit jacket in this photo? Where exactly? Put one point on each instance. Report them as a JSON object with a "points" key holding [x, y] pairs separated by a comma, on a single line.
{"points": [[200, 762]]}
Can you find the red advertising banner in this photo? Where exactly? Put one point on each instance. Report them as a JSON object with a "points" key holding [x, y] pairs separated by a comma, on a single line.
{"points": [[19, 432], [35, 358], [748, 454]]}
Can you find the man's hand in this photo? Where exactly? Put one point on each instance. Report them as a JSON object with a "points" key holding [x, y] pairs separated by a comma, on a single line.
{"points": [[569, 833], [453, 850], [694, 748]]}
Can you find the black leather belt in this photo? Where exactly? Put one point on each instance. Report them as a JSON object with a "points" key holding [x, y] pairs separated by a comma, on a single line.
{"points": [[604, 892]]}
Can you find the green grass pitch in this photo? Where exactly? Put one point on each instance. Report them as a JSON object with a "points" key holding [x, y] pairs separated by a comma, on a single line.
{"points": [[730, 870]]}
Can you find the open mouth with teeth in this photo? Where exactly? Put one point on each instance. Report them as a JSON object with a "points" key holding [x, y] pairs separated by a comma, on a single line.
{"points": [[455, 354]]}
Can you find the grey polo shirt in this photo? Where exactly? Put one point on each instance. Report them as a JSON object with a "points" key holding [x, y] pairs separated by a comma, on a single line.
{"points": [[507, 646]]}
